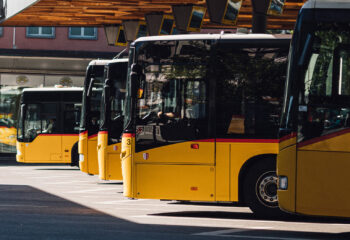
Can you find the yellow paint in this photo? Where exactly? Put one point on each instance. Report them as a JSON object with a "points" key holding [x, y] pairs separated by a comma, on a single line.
{"points": [[82, 150], [317, 177], [287, 143], [322, 183], [173, 154], [222, 178], [108, 158], [20, 151], [47, 149], [286, 166], [88, 147], [339, 143], [170, 171], [185, 182], [128, 143]]}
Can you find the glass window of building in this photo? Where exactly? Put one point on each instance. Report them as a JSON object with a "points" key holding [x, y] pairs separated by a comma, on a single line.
{"points": [[40, 32], [83, 33]]}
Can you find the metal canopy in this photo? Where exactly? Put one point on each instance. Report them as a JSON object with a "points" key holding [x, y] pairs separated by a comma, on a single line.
{"points": [[106, 12]]}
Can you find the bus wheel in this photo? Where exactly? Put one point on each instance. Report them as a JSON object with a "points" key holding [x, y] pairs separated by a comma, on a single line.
{"points": [[260, 189], [75, 156]]}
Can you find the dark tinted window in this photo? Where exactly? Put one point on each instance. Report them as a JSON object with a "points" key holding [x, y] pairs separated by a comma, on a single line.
{"points": [[250, 84]]}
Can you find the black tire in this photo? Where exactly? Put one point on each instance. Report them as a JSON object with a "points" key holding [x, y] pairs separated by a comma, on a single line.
{"points": [[75, 156], [260, 188]]}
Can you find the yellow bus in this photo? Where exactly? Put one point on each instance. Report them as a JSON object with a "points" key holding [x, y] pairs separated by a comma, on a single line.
{"points": [[111, 122], [202, 117], [47, 125], [90, 116], [313, 165]]}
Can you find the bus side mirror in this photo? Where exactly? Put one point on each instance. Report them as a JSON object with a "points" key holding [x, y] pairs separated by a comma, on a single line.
{"points": [[107, 90], [90, 87], [134, 85], [135, 77]]}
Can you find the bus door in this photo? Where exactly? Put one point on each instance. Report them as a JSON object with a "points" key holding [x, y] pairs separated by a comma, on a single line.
{"points": [[323, 149], [41, 128], [174, 153]]}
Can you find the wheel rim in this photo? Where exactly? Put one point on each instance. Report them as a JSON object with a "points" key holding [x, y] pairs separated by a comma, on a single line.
{"points": [[266, 189]]}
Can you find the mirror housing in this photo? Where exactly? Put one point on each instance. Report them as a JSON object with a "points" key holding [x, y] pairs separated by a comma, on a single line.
{"points": [[135, 77]]}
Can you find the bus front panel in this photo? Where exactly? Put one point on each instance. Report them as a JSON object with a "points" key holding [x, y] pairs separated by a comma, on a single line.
{"points": [[108, 158], [44, 148], [317, 107]]}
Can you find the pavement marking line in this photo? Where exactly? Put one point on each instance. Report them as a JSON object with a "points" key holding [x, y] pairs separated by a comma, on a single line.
{"points": [[124, 201], [220, 232], [93, 190], [54, 176], [49, 183]]}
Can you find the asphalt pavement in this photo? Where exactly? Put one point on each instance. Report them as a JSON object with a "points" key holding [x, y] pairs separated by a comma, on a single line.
{"points": [[60, 202]]}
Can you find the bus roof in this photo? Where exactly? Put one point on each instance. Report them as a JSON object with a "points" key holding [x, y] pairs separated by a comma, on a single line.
{"points": [[213, 37], [99, 62], [330, 4], [52, 89], [118, 60]]}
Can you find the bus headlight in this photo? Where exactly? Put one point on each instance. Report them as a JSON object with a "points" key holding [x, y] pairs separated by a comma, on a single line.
{"points": [[81, 157], [282, 182], [18, 152]]}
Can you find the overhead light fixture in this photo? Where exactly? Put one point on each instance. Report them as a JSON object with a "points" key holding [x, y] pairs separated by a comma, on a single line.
{"points": [[188, 18], [224, 11], [134, 29], [115, 35], [276, 7], [160, 24]]}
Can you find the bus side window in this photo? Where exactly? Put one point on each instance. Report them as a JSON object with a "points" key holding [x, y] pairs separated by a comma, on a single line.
{"points": [[249, 91], [69, 118], [49, 118]]}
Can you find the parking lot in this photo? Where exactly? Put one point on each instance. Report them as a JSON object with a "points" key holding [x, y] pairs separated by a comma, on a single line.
{"points": [[60, 202]]}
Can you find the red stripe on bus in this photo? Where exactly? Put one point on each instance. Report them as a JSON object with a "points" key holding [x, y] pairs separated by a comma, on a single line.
{"points": [[248, 140], [239, 140], [287, 137], [103, 132], [128, 134], [83, 133], [92, 136], [322, 138], [55, 134]]}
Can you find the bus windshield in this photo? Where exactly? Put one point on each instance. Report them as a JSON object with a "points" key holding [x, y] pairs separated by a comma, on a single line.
{"points": [[112, 102], [323, 65], [174, 90], [90, 114]]}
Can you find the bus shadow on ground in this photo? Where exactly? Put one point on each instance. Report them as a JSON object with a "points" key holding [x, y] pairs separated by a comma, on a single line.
{"points": [[57, 169], [29, 213], [105, 182], [250, 216]]}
